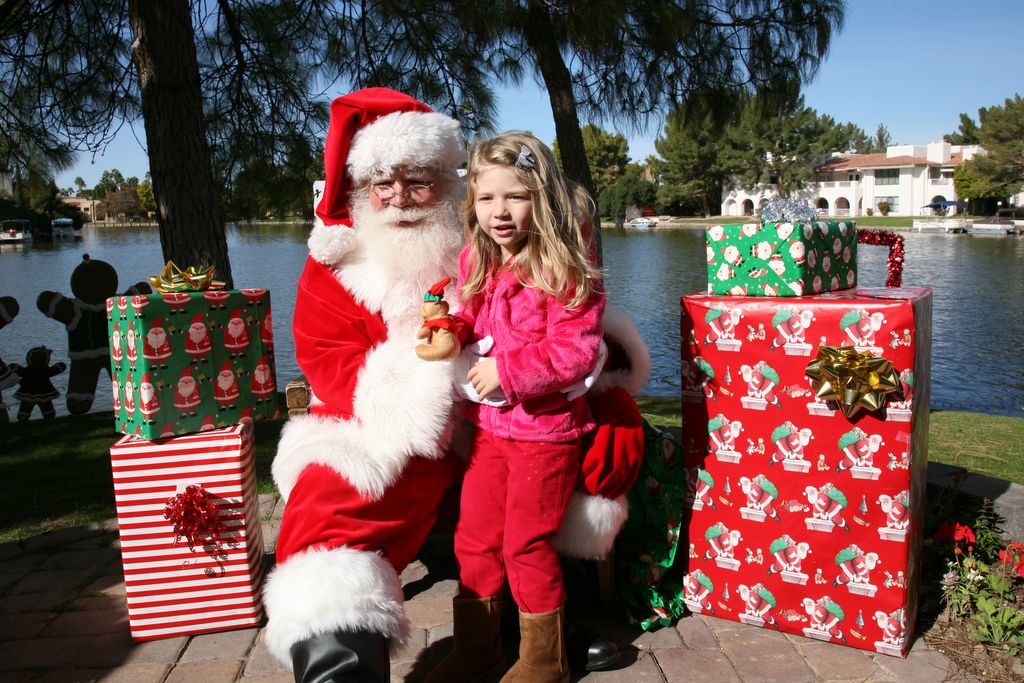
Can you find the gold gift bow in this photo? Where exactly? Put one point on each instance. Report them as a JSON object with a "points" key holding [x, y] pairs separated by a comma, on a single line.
{"points": [[192, 279], [853, 379]]}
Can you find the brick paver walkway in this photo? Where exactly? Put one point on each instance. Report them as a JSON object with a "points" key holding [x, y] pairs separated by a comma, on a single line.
{"points": [[63, 619]]}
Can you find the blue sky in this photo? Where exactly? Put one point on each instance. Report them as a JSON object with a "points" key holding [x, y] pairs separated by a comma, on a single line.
{"points": [[913, 65]]}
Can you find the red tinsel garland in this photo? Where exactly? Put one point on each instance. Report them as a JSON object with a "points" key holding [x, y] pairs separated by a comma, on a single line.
{"points": [[896, 252], [194, 515]]}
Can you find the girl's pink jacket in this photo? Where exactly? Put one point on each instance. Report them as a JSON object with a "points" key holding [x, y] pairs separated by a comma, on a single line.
{"points": [[541, 348]]}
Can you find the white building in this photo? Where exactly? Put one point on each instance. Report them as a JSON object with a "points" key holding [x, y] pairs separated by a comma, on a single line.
{"points": [[905, 176]]}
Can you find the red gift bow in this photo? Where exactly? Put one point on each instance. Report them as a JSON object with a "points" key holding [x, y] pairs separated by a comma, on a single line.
{"points": [[195, 517], [896, 252]]}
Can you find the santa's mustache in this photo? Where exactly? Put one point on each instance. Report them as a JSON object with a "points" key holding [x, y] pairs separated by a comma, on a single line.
{"points": [[398, 214]]}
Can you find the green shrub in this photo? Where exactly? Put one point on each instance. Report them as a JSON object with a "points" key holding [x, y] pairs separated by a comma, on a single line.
{"points": [[883, 208]]}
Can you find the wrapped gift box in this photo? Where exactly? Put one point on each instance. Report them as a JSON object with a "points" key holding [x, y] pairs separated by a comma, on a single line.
{"points": [[803, 519], [781, 259], [173, 589], [184, 362]]}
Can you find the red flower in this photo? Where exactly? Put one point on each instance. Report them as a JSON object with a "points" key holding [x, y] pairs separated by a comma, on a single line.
{"points": [[962, 533], [954, 531]]}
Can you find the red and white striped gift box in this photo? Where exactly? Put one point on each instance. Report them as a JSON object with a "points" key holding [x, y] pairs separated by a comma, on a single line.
{"points": [[171, 589]]}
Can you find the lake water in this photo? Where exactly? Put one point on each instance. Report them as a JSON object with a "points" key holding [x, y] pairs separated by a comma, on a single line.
{"points": [[978, 300]]}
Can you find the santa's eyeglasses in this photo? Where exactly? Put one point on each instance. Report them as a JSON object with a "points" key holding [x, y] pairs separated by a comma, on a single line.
{"points": [[415, 190]]}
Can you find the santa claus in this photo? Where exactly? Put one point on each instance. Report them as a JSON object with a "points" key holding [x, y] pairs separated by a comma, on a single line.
{"points": [[186, 394], [363, 473], [149, 402], [263, 385], [225, 388], [236, 336], [197, 339], [156, 347]]}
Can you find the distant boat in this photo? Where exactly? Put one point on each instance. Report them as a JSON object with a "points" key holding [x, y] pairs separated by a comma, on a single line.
{"points": [[644, 223], [15, 230], [992, 226], [62, 227]]}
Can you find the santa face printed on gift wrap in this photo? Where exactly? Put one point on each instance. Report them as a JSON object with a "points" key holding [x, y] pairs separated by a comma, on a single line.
{"points": [[788, 556], [797, 252], [262, 380], [149, 403], [116, 391], [156, 347], [762, 250], [896, 509], [855, 567], [697, 588], [236, 336], [790, 443], [827, 504], [761, 494], [732, 256], [116, 353], [826, 616], [186, 393], [197, 339], [225, 391], [893, 625], [761, 380], [758, 602], [722, 434], [129, 397], [139, 303], [859, 450], [722, 322], [861, 327], [722, 542], [131, 348]]}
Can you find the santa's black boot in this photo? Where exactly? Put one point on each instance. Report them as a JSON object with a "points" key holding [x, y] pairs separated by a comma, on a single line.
{"points": [[342, 657]]}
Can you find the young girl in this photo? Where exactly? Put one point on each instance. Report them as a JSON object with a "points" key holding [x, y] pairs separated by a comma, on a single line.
{"points": [[527, 281]]}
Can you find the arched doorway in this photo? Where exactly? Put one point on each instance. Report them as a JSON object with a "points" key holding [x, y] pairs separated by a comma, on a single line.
{"points": [[730, 207], [748, 207], [939, 210], [842, 206], [822, 206]]}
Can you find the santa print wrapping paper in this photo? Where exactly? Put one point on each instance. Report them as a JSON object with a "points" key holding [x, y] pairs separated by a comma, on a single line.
{"points": [[184, 362], [805, 520], [781, 259], [173, 590]]}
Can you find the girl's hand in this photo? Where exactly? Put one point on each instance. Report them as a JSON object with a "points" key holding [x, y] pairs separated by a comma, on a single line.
{"points": [[484, 377]]}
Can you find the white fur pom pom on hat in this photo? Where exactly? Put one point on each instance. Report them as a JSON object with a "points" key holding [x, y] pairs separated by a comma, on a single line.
{"points": [[406, 138]]}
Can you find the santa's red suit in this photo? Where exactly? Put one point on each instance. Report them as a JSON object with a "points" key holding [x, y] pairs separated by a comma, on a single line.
{"points": [[364, 471]]}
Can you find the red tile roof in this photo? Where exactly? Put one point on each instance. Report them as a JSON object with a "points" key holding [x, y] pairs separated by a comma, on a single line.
{"points": [[850, 162]]}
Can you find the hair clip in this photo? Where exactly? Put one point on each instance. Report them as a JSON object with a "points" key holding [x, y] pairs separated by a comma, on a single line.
{"points": [[525, 159]]}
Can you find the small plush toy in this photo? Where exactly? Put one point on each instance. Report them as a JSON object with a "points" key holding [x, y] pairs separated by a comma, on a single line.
{"points": [[85, 318], [34, 386], [440, 330], [8, 311]]}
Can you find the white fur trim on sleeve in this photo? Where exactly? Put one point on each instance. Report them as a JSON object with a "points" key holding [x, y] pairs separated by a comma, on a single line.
{"points": [[425, 139], [620, 328], [590, 526], [328, 244], [402, 408], [320, 591]]}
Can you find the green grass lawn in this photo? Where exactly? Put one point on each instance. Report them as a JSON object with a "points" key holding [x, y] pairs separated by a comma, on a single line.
{"points": [[57, 472]]}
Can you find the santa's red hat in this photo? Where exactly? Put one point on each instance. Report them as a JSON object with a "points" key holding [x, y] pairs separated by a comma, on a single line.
{"points": [[158, 324], [147, 379], [198, 318], [226, 365], [186, 372], [371, 132], [237, 313]]}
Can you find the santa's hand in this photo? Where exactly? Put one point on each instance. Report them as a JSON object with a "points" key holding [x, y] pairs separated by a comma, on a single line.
{"points": [[470, 356], [581, 387]]}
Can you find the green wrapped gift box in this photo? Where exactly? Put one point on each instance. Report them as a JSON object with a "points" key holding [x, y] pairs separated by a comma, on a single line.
{"points": [[184, 362], [781, 259]]}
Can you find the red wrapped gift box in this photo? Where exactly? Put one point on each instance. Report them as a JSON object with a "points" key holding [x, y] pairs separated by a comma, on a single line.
{"points": [[803, 519], [173, 589]]}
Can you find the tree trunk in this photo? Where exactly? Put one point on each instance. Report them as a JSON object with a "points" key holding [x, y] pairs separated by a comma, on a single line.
{"points": [[539, 33], [188, 209]]}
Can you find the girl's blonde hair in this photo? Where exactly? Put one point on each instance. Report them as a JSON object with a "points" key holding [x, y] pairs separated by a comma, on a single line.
{"points": [[557, 255]]}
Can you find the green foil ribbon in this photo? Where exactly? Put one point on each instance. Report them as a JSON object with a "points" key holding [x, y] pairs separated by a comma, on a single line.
{"points": [[191, 279], [851, 378]]}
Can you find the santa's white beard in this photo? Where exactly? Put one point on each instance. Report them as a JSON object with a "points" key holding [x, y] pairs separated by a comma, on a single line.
{"points": [[392, 266]]}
